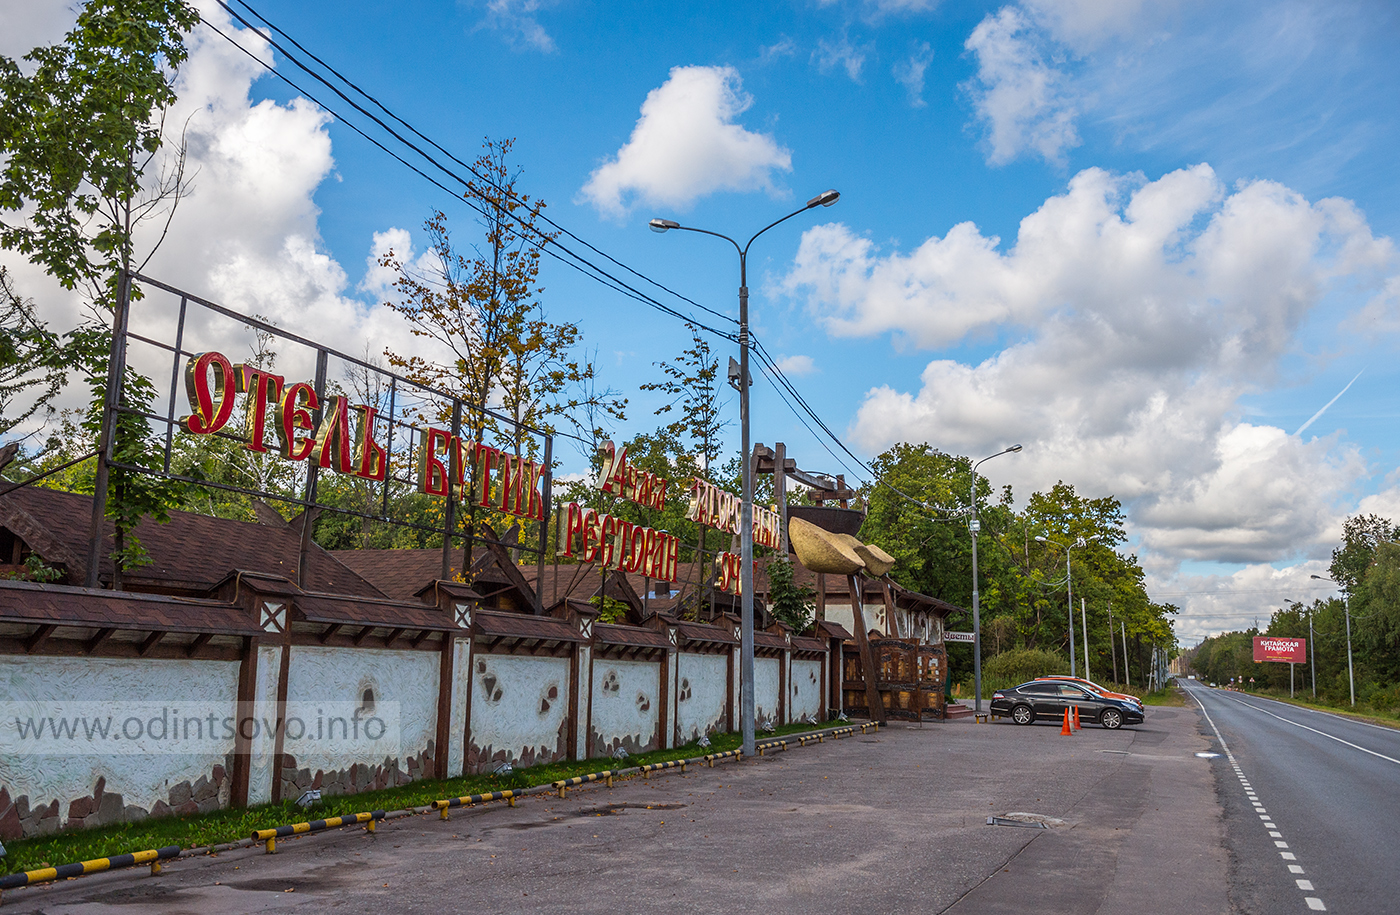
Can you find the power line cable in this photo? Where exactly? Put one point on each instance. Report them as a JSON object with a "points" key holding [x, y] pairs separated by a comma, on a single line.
{"points": [[483, 178], [582, 265], [545, 242]]}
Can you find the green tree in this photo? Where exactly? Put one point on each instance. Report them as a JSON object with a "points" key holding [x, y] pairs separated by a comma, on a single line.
{"points": [[33, 361], [790, 602], [78, 137]]}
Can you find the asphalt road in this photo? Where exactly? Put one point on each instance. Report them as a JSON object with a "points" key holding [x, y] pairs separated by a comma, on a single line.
{"points": [[894, 822], [1311, 803]]}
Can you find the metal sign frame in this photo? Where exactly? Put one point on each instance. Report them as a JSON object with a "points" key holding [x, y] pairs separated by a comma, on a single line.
{"points": [[401, 434]]}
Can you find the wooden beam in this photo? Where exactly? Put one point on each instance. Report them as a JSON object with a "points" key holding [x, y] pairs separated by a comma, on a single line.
{"points": [[389, 639], [151, 642], [40, 636], [867, 659], [364, 634], [98, 640], [331, 630], [508, 566], [421, 637], [199, 642]]}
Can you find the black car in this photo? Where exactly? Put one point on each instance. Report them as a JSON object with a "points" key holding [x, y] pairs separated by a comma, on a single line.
{"points": [[1046, 700]]}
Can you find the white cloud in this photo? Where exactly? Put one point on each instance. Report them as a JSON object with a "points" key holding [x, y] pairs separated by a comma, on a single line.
{"points": [[29, 25], [686, 144], [796, 365], [1131, 317], [843, 54], [515, 19], [910, 73], [246, 236], [1219, 603], [1084, 25], [1019, 94]]}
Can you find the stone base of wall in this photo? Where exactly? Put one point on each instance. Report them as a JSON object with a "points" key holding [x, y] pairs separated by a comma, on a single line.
{"points": [[21, 819], [357, 778]]}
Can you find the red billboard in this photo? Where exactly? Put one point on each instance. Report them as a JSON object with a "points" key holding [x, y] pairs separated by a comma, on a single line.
{"points": [[1268, 648]]}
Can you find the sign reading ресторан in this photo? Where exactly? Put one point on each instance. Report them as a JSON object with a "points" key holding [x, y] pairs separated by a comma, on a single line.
{"points": [[1270, 648], [343, 439]]}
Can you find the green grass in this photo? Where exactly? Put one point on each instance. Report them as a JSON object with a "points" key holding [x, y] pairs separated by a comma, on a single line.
{"points": [[234, 824], [1170, 696]]}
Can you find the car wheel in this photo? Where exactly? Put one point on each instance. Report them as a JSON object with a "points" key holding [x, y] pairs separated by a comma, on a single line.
{"points": [[1022, 714], [1111, 719]]}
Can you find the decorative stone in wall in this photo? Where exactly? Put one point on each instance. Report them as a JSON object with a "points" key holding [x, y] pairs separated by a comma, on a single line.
{"points": [[700, 695], [354, 779], [625, 706], [766, 691], [520, 708], [806, 697], [100, 807], [131, 778]]}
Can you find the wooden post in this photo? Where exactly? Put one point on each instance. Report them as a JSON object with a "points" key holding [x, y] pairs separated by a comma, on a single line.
{"points": [[890, 618], [780, 493], [821, 597], [867, 660]]}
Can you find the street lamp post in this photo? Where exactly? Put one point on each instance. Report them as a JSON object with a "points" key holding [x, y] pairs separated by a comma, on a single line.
{"points": [[826, 199], [1346, 610], [975, 527], [1069, 589]]}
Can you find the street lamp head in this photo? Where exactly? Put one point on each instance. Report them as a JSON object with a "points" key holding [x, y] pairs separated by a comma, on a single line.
{"points": [[825, 198], [1014, 449], [1319, 578], [1041, 539], [663, 225]]}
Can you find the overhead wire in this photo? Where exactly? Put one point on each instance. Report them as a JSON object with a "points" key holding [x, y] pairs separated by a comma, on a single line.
{"points": [[483, 178], [542, 240], [783, 386]]}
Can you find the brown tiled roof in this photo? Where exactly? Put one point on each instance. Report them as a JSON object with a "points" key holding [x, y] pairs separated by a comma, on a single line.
{"points": [[192, 553], [829, 630], [769, 640], [398, 574], [705, 632], [328, 608], [807, 643], [609, 634], [494, 624], [27, 602]]}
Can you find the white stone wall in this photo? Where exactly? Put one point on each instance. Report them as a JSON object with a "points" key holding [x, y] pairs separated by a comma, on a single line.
{"points": [[626, 705], [806, 696], [142, 771], [765, 690], [701, 694], [404, 685], [520, 709]]}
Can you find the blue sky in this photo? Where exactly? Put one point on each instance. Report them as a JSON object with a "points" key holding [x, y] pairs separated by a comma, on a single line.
{"points": [[1148, 240]]}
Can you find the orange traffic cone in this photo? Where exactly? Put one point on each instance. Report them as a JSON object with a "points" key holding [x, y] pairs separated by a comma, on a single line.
{"points": [[1076, 717], [1065, 731]]}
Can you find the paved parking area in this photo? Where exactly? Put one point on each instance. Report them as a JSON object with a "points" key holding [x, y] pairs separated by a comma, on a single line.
{"points": [[889, 822]]}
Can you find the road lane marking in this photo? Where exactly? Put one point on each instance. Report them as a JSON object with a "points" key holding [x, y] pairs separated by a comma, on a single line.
{"points": [[1314, 730], [1314, 903]]}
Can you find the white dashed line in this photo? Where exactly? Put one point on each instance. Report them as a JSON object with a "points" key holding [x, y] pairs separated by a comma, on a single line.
{"points": [[1314, 903]]}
